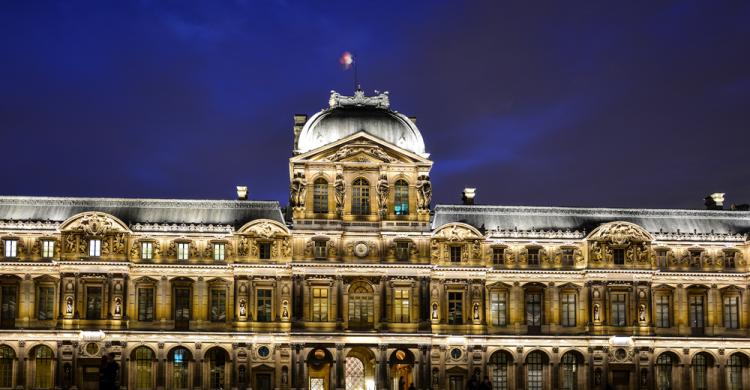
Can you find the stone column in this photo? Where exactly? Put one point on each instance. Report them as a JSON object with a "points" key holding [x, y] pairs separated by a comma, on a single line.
{"points": [[382, 381], [383, 301], [339, 302], [21, 367], [340, 385], [293, 368], [161, 360]]}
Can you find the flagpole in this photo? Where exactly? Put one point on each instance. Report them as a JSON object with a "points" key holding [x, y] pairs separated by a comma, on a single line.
{"points": [[356, 81]]}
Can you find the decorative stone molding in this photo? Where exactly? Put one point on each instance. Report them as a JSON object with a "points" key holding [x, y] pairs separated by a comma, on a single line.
{"points": [[359, 99], [620, 233], [181, 228]]}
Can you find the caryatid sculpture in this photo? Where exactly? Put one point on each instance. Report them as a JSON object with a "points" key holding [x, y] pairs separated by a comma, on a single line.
{"points": [[383, 191], [297, 191], [338, 191], [424, 193]]}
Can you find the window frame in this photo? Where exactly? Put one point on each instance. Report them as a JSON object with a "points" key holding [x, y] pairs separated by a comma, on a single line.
{"points": [[95, 247], [360, 204], [320, 196]]}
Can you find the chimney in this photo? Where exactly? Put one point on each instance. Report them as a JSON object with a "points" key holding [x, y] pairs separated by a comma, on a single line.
{"points": [[299, 123], [468, 196], [715, 201], [241, 192]]}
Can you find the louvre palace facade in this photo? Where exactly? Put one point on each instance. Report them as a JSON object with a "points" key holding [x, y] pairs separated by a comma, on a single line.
{"points": [[362, 284]]}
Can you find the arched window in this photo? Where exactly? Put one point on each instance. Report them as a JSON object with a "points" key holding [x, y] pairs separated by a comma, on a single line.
{"points": [[735, 367], [43, 367], [569, 368], [700, 371], [143, 357], [401, 201], [320, 196], [499, 362], [355, 374], [180, 360], [361, 197], [361, 307], [216, 368], [7, 357], [535, 371], [664, 372]]}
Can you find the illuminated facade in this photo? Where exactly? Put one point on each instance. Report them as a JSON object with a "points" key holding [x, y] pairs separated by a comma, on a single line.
{"points": [[361, 285]]}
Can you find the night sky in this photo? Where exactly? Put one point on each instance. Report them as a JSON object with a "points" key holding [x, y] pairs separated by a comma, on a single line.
{"points": [[623, 104]]}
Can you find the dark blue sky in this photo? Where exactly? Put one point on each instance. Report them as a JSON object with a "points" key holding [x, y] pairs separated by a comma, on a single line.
{"points": [[641, 104]]}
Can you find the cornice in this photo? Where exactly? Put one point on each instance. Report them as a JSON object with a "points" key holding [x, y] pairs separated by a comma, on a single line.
{"points": [[181, 228]]}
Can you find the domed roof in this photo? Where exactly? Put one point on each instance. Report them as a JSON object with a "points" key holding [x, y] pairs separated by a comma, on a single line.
{"points": [[348, 115]]}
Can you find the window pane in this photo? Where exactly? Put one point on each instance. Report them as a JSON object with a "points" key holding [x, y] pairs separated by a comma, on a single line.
{"points": [[95, 248], [43, 367], [263, 307], [320, 196], [361, 197], [534, 309], [219, 252], [145, 304], [93, 303], [180, 368], [568, 309], [455, 308], [662, 311], [401, 305], [143, 365], [218, 305], [498, 308], [618, 309], [401, 199], [46, 303], [534, 371]]}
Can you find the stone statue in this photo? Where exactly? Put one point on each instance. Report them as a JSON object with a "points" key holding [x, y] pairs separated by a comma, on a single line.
{"points": [[424, 192], [476, 311], [642, 312], [118, 306], [434, 311], [298, 190], [596, 312], [383, 191], [338, 189], [69, 306], [242, 307]]}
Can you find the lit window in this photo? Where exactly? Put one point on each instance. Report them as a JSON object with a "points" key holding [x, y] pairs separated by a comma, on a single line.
{"points": [[93, 303], [320, 196], [146, 304], [48, 249], [11, 248], [321, 251], [455, 254], [183, 250], [147, 250], [498, 308], [401, 199], [219, 251], [45, 303], [320, 304], [696, 312], [264, 250], [218, 305], [401, 305], [662, 311], [661, 259], [43, 359], [498, 256], [567, 257], [144, 358], [361, 197], [729, 260], [95, 248], [455, 308]]}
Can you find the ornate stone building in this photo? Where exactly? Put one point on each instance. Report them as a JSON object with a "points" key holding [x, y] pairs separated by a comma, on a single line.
{"points": [[361, 285]]}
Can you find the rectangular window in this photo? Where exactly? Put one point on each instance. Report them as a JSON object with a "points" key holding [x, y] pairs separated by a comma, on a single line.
{"points": [[147, 250], [183, 250], [619, 309], [696, 311], [146, 304], [11, 248], [695, 259], [533, 256], [661, 259], [45, 303], [455, 308], [567, 257], [731, 312], [568, 309], [182, 304], [401, 304], [455, 254], [95, 248], [320, 304], [662, 311], [263, 307], [498, 256], [219, 251], [93, 303], [48, 249], [729, 260], [321, 251], [619, 256], [498, 308], [402, 251], [264, 250], [534, 309], [218, 304]]}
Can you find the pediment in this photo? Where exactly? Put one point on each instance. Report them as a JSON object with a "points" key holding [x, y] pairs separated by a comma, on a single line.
{"points": [[361, 147]]}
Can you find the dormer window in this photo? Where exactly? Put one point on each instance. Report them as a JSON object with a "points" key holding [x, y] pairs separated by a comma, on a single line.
{"points": [[455, 254], [498, 256], [695, 259], [95, 248], [264, 250], [11, 248], [321, 250], [533, 256], [661, 258], [729, 262], [48, 249], [402, 250], [567, 257]]}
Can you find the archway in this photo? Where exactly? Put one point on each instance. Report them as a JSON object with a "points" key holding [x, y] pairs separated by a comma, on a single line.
{"points": [[501, 370], [179, 368], [361, 306], [360, 369], [402, 369], [142, 362], [319, 362], [218, 372]]}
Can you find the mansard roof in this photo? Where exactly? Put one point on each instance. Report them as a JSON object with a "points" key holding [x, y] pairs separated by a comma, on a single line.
{"points": [[131, 211], [574, 218]]}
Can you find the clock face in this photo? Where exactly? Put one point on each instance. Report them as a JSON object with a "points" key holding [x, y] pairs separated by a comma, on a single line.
{"points": [[361, 249]]}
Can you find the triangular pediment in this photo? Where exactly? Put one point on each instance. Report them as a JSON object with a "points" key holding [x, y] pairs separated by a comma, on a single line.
{"points": [[361, 147]]}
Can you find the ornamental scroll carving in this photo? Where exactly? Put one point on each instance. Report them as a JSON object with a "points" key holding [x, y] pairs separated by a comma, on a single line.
{"points": [[633, 240], [359, 99], [454, 235], [620, 233], [94, 224], [373, 151], [135, 249], [208, 251]]}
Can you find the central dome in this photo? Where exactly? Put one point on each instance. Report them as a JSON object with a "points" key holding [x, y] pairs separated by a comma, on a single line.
{"points": [[348, 115]]}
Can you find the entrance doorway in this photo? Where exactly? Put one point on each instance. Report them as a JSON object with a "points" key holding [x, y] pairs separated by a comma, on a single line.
{"points": [[621, 380], [402, 366], [89, 374]]}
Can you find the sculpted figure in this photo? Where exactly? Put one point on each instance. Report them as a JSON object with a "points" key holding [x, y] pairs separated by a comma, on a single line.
{"points": [[596, 312], [383, 191], [424, 192], [298, 190], [642, 313], [338, 188]]}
